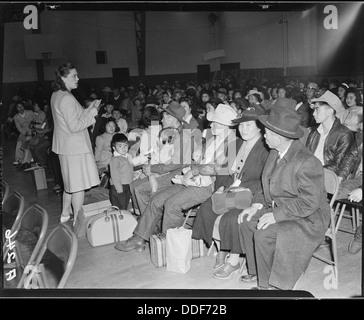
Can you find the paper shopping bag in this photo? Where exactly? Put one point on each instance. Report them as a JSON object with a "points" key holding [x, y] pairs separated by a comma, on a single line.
{"points": [[179, 249]]}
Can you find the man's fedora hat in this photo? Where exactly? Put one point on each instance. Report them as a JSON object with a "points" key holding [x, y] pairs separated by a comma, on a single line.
{"points": [[283, 119], [176, 110]]}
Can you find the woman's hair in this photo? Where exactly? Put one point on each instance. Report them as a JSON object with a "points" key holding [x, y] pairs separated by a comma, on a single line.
{"points": [[187, 100], [119, 137], [208, 92], [62, 71], [150, 114], [259, 98], [108, 120], [19, 103], [356, 93]]}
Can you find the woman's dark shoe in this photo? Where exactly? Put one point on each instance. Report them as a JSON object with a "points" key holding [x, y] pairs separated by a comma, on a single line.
{"points": [[226, 271]]}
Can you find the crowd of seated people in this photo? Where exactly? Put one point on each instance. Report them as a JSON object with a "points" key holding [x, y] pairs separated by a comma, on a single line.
{"points": [[245, 123]]}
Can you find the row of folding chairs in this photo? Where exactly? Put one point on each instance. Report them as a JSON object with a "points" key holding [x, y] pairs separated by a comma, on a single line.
{"points": [[30, 258]]}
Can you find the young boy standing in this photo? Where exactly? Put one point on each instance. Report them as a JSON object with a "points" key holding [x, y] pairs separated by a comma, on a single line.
{"points": [[121, 172]]}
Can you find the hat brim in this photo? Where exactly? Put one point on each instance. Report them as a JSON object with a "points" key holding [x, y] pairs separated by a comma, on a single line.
{"points": [[245, 119], [211, 117], [298, 134]]}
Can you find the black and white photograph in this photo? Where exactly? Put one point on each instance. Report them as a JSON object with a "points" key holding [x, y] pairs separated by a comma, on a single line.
{"points": [[179, 149]]}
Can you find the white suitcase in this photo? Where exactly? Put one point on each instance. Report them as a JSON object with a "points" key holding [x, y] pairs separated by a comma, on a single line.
{"points": [[111, 226]]}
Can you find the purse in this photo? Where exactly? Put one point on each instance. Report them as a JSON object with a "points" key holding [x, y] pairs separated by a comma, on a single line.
{"points": [[231, 198], [111, 226]]}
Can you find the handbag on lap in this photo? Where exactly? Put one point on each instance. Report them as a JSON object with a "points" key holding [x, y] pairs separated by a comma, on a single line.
{"points": [[231, 198]]}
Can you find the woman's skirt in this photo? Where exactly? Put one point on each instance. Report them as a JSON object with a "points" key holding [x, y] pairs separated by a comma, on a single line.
{"points": [[79, 172]]}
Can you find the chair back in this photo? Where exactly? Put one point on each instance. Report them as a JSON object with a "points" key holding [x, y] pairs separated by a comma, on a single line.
{"points": [[57, 256], [35, 221], [12, 210], [331, 185], [29, 235], [5, 189]]}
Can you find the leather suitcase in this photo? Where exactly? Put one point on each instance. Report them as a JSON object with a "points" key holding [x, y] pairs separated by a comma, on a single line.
{"points": [[157, 244], [111, 226]]}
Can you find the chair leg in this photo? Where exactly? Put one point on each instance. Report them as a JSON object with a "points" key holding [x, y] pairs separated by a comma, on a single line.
{"points": [[215, 244], [353, 218], [340, 217]]}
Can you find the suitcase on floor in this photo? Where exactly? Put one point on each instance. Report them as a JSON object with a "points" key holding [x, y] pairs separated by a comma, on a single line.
{"points": [[157, 244], [86, 213], [111, 226]]}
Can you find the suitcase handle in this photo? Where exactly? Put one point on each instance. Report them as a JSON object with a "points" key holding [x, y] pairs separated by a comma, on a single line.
{"points": [[107, 218]]}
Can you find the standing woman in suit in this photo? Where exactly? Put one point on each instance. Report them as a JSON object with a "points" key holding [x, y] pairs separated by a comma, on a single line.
{"points": [[71, 141]]}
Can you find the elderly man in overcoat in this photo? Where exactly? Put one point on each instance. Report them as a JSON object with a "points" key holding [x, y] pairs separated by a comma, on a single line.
{"points": [[288, 220]]}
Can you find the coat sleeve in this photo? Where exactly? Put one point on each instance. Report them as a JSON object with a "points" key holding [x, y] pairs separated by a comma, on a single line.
{"points": [[76, 122], [306, 201], [344, 157]]}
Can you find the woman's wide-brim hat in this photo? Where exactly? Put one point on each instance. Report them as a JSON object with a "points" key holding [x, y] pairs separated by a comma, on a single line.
{"points": [[223, 114], [252, 113], [283, 119]]}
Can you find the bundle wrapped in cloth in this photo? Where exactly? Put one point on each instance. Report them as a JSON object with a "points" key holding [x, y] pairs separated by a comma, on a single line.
{"points": [[196, 181]]}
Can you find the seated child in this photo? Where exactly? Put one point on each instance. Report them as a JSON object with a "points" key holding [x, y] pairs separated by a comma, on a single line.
{"points": [[121, 172], [121, 122], [103, 150]]}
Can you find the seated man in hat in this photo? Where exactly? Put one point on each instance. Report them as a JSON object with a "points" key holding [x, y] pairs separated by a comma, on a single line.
{"points": [[332, 142], [288, 219], [141, 190]]}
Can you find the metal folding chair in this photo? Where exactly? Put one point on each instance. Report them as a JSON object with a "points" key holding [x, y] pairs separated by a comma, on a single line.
{"points": [[54, 262], [332, 188]]}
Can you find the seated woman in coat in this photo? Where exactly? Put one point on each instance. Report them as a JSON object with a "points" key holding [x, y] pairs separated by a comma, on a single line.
{"points": [[246, 172]]}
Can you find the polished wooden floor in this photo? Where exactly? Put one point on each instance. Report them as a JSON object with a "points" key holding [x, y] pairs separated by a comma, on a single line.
{"points": [[106, 268]]}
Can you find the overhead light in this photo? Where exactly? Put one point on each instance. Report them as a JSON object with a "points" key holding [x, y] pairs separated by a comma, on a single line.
{"points": [[52, 6], [264, 6]]}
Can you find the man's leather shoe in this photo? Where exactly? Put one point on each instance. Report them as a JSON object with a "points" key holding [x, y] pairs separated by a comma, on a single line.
{"points": [[356, 243], [220, 259], [133, 243], [226, 271], [248, 278]]}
